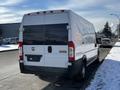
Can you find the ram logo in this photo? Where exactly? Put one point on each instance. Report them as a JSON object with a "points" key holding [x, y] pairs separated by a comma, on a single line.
{"points": [[33, 48]]}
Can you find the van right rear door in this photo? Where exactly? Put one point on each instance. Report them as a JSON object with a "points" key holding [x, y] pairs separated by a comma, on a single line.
{"points": [[56, 45]]}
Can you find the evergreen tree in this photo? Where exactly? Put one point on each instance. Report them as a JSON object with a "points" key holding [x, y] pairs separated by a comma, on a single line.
{"points": [[107, 30]]}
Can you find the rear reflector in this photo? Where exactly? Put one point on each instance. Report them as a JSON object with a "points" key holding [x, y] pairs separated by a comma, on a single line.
{"points": [[20, 51], [20, 58], [20, 44], [71, 49]]}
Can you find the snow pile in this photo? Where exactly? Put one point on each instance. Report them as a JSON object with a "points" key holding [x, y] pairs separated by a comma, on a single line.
{"points": [[108, 75], [8, 47]]}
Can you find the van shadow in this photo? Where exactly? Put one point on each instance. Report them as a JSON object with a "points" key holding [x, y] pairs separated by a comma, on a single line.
{"points": [[59, 81]]}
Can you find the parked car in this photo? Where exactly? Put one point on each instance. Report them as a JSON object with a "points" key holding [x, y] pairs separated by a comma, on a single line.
{"points": [[106, 42], [12, 40], [62, 40], [6, 40]]}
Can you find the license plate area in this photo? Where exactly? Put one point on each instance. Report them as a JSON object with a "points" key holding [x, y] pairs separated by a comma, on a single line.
{"points": [[33, 58]]}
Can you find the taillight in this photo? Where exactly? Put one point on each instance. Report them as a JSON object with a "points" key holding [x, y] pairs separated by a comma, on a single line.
{"points": [[71, 49], [20, 51]]}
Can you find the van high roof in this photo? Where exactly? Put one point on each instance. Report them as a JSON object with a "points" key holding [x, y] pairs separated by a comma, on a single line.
{"points": [[47, 12]]}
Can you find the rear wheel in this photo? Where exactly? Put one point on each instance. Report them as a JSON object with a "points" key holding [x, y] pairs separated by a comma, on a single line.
{"points": [[78, 70], [22, 69], [81, 75]]}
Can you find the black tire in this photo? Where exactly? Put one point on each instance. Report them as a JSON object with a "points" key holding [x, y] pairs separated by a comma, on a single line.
{"points": [[74, 70], [78, 70], [71, 72], [22, 69], [81, 76]]}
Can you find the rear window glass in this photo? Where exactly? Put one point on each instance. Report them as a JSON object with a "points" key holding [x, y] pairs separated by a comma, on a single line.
{"points": [[56, 34]]}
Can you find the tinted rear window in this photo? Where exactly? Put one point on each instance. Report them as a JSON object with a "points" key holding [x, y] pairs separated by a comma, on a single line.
{"points": [[56, 34]]}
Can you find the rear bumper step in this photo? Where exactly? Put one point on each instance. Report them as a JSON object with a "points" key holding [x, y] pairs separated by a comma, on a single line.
{"points": [[40, 69]]}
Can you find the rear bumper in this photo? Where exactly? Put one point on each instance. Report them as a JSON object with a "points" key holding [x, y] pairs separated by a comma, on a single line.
{"points": [[39, 69], [70, 71]]}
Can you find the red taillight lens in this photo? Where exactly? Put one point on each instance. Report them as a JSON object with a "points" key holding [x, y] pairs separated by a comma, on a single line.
{"points": [[20, 44], [20, 58], [20, 51], [71, 49]]}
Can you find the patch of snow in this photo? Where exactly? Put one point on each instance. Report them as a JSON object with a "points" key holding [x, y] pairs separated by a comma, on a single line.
{"points": [[8, 47], [108, 75]]}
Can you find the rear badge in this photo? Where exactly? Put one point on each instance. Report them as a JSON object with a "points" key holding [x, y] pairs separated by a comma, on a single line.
{"points": [[62, 51], [33, 48]]}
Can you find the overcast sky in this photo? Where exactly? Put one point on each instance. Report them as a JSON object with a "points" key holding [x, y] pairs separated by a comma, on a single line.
{"points": [[96, 11]]}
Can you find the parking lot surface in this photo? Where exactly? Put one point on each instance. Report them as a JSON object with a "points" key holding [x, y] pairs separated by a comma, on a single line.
{"points": [[12, 79]]}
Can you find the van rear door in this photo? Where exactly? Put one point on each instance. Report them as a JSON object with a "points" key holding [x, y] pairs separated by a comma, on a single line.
{"points": [[33, 45], [46, 45], [56, 45]]}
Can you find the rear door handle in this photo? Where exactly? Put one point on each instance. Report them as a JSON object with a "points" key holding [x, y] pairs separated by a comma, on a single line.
{"points": [[95, 44], [49, 49], [83, 43]]}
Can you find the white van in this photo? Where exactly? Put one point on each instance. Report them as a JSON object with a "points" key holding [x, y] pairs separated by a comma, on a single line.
{"points": [[58, 39]]}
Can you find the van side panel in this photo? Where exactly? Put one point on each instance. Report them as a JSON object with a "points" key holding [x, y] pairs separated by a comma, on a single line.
{"points": [[83, 36]]}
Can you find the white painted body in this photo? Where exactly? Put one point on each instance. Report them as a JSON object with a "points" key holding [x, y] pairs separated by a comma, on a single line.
{"points": [[79, 31]]}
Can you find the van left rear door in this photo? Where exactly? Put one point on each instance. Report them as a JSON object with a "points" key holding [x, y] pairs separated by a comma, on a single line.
{"points": [[33, 45]]}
